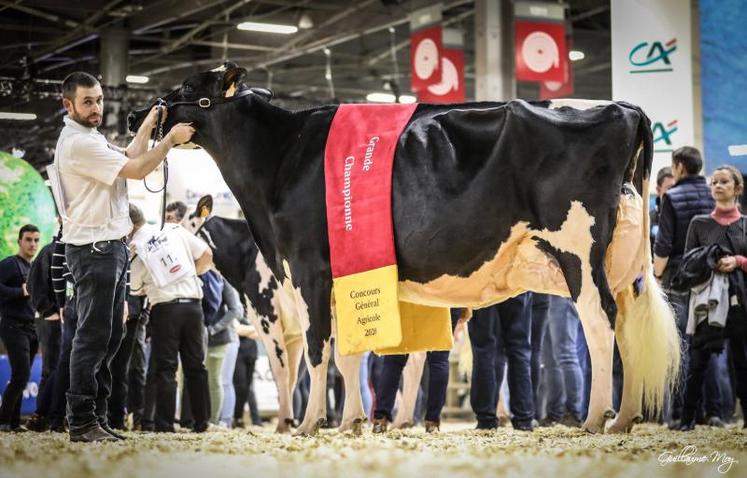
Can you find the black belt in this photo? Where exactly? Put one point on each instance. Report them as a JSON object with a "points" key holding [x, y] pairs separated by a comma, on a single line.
{"points": [[178, 301]]}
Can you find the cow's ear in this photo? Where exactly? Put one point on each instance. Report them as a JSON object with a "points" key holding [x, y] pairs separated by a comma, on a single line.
{"points": [[205, 206], [232, 77], [264, 93]]}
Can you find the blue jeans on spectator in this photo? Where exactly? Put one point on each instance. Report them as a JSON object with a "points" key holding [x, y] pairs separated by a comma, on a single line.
{"points": [[62, 376], [563, 326], [584, 361], [366, 397], [99, 271], [540, 314], [506, 325], [229, 392], [438, 378]]}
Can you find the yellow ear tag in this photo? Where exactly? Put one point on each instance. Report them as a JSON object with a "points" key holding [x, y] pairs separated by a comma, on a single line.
{"points": [[204, 212], [231, 90]]}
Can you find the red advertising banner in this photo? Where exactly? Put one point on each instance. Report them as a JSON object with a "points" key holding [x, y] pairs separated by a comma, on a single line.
{"points": [[541, 51], [556, 89], [425, 57], [451, 87]]}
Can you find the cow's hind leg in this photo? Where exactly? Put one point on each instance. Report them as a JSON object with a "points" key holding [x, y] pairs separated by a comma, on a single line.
{"points": [[411, 376], [353, 415], [632, 393], [316, 409]]}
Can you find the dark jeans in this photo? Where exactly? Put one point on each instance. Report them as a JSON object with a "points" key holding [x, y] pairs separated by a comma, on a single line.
{"points": [[120, 368], [438, 379], [505, 325], [50, 336], [564, 396], [136, 374], [178, 333], [696, 378], [540, 314], [21, 343], [99, 272], [62, 377], [243, 377], [680, 305]]}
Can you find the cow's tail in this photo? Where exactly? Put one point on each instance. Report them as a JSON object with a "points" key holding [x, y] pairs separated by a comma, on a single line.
{"points": [[649, 329]]}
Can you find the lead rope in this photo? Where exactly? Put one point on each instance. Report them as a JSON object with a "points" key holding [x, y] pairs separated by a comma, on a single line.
{"points": [[156, 138]]}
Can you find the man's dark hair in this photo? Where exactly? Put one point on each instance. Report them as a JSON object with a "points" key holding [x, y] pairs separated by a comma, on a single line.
{"points": [[179, 207], [72, 81], [25, 229], [688, 157], [664, 173], [136, 215]]}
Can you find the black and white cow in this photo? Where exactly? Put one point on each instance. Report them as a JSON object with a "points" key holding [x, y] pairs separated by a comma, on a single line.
{"points": [[489, 200], [271, 311]]}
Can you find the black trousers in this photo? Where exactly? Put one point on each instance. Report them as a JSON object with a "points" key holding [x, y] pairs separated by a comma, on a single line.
{"points": [[178, 333], [99, 272], [136, 374], [50, 337], [120, 368], [21, 343], [243, 378], [62, 376]]}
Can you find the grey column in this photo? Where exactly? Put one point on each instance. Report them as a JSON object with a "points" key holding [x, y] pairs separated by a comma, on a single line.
{"points": [[494, 51]]}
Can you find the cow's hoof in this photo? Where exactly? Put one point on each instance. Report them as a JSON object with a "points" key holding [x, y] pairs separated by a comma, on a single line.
{"points": [[620, 425], [355, 425], [402, 425], [594, 425], [284, 426], [309, 428]]}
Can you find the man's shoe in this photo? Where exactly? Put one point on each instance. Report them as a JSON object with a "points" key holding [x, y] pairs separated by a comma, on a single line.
{"points": [[94, 435], [37, 423], [570, 421], [432, 426], [687, 426], [113, 433], [13, 429], [380, 425], [487, 425], [549, 421], [674, 424], [524, 427], [715, 421], [58, 428]]}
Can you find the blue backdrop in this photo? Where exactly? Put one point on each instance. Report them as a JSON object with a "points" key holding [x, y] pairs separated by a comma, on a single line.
{"points": [[32, 387], [723, 64]]}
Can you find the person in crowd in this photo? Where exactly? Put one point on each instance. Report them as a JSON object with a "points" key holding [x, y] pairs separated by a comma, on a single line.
{"points": [[48, 330], [726, 226], [17, 325], [92, 183], [689, 197], [497, 331], [243, 375], [175, 212], [565, 379], [388, 383], [64, 291], [664, 182], [176, 319], [540, 314]]}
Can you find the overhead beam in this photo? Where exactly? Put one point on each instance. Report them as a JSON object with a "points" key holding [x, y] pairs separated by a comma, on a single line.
{"points": [[39, 13]]}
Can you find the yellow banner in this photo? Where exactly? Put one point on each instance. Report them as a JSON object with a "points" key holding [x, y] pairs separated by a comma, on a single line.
{"points": [[370, 317]]}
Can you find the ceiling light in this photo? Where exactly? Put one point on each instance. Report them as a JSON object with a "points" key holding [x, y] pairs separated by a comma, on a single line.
{"points": [[575, 55], [305, 22], [6, 115], [379, 97], [139, 79], [267, 28]]}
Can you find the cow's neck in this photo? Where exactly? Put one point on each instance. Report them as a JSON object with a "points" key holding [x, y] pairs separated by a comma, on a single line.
{"points": [[248, 142]]}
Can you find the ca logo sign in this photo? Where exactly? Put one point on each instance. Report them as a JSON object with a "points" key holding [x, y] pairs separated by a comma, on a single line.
{"points": [[663, 136], [652, 57]]}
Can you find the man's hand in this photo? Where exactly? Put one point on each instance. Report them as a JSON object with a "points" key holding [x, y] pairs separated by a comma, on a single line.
{"points": [[246, 331], [727, 264], [25, 290], [53, 317], [180, 134], [150, 121]]}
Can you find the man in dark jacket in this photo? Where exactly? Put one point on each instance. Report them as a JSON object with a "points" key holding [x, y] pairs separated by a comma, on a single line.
{"points": [[48, 330], [17, 325], [689, 197]]}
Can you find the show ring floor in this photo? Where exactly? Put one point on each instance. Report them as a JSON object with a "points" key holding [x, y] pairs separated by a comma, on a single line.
{"points": [[650, 451]]}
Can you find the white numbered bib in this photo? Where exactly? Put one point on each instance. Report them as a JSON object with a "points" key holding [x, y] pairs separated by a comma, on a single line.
{"points": [[166, 257]]}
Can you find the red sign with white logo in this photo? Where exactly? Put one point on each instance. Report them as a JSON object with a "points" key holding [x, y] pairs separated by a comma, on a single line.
{"points": [[556, 89], [451, 87], [425, 57], [541, 51]]}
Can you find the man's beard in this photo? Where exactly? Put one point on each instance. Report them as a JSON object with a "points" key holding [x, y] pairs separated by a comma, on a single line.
{"points": [[88, 122]]}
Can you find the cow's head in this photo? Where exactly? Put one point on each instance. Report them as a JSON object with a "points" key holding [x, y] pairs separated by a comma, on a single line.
{"points": [[202, 211], [186, 104]]}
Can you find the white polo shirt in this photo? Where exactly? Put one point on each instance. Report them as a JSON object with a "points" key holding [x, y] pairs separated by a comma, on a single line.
{"points": [[187, 288], [97, 208]]}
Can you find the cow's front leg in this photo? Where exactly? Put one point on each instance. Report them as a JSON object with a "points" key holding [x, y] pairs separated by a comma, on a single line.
{"points": [[353, 415], [411, 376], [599, 337], [316, 409]]}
